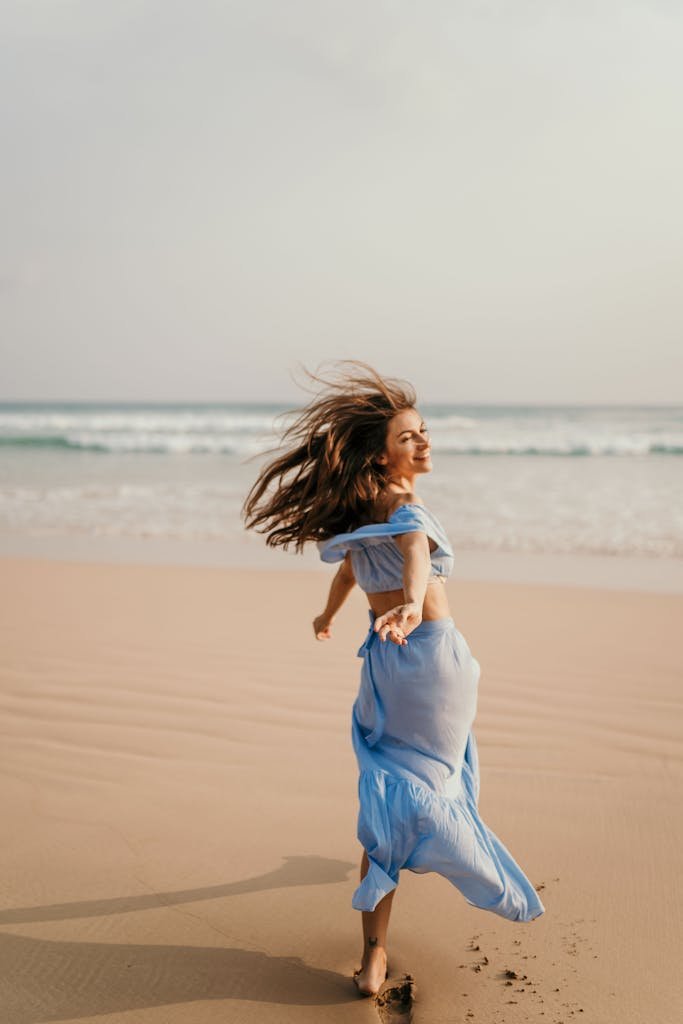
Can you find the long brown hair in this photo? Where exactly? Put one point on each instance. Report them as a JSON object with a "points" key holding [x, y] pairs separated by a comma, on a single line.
{"points": [[327, 479]]}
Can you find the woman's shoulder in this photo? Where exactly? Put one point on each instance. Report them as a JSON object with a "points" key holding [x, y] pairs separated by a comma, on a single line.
{"points": [[405, 513], [388, 505]]}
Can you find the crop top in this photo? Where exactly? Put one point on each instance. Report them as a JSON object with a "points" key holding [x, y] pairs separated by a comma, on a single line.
{"points": [[377, 560]]}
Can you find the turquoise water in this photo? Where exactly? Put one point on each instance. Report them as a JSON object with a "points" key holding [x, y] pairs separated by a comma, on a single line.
{"points": [[565, 479], [241, 428]]}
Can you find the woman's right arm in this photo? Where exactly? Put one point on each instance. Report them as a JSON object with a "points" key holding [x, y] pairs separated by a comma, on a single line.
{"points": [[340, 588]]}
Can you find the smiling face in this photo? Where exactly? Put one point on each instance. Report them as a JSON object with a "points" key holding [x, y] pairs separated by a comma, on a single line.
{"points": [[408, 448]]}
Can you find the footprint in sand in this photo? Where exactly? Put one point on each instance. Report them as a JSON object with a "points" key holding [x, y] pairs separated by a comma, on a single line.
{"points": [[394, 1001]]}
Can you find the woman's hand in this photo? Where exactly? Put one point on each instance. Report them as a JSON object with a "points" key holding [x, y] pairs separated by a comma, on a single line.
{"points": [[322, 627], [398, 622]]}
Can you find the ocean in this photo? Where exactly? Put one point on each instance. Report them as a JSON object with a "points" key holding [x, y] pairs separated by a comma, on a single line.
{"points": [[563, 480]]}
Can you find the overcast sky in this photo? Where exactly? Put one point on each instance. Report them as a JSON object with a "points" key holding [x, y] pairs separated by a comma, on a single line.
{"points": [[484, 197]]}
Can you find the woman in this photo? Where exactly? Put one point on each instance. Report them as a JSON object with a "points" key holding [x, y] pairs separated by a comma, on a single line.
{"points": [[356, 454]]}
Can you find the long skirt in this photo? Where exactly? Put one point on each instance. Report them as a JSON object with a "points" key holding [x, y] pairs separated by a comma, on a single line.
{"points": [[418, 786]]}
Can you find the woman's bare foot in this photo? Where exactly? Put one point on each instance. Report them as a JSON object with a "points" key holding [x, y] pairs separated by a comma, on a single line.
{"points": [[372, 972]]}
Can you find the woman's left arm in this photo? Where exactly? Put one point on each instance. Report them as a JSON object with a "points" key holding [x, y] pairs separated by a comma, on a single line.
{"points": [[340, 588], [399, 622]]}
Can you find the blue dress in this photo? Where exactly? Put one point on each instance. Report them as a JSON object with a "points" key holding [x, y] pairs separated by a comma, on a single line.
{"points": [[411, 728]]}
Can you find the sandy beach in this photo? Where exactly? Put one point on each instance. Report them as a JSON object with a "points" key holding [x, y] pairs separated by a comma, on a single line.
{"points": [[276, 274], [179, 803]]}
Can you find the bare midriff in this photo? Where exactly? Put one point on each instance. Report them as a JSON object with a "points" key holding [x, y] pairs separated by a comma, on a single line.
{"points": [[435, 604]]}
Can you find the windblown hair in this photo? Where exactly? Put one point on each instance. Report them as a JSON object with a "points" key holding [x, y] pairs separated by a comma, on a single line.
{"points": [[325, 479]]}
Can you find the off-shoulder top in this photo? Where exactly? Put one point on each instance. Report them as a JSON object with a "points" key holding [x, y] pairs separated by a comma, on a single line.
{"points": [[375, 557]]}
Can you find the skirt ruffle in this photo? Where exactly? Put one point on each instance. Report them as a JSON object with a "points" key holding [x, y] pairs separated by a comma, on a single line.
{"points": [[405, 824]]}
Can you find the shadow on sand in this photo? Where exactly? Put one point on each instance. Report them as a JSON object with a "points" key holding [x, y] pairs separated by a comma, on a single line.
{"points": [[295, 871], [52, 981], [55, 980]]}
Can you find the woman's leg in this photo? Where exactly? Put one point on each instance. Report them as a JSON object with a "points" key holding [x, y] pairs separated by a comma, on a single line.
{"points": [[375, 923]]}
